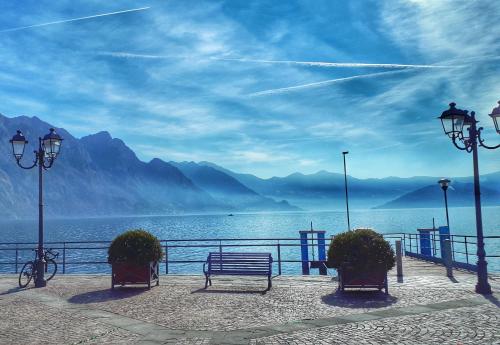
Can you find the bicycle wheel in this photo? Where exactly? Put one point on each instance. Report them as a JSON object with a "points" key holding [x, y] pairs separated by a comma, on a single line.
{"points": [[26, 274], [50, 269]]}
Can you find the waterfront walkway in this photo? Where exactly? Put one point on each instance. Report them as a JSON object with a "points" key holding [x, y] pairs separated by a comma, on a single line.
{"points": [[424, 308]]}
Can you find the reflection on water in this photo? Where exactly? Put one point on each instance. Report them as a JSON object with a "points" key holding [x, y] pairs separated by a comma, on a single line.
{"points": [[256, 225]]}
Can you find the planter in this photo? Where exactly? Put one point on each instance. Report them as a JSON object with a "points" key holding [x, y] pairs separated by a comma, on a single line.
{"points": [[375, 279], [123, 273]]}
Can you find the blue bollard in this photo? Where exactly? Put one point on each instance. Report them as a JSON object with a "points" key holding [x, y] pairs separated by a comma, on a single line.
{"points": [[425, 242], [304, 251]]}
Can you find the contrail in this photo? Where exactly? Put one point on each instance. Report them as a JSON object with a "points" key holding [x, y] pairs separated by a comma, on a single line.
{"points": [[138, 56], [332, 64], [304, 63], [74, 19], [322, 83]]}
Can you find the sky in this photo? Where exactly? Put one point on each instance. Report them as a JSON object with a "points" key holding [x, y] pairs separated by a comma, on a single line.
{"points": [[262, 87]]}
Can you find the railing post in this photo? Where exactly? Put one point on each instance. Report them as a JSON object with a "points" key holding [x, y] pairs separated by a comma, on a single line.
{"points": [[433, 244], [410, 243], [279, 258], [417, 239], [453, 247], [399, 259], [404, 244], [466, 250], [17, 253], [166, 257], [64, 258], [220, 246]]}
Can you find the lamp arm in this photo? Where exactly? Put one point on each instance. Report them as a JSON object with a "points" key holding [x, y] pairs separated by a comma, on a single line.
{"points": [[35, 162], [481, 142], [465, 148]]}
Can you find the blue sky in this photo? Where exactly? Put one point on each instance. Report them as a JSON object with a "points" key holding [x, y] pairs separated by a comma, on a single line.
{"points": [[229, 81]]}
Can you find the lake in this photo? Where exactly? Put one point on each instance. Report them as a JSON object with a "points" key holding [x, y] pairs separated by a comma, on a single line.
{"points": [[242, 225]]}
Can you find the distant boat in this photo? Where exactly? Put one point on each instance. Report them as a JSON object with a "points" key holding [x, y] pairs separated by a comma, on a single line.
{"points": [[230, 215]]}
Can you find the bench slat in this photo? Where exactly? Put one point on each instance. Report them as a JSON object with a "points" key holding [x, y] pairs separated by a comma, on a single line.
{"points": [[240, 271]]}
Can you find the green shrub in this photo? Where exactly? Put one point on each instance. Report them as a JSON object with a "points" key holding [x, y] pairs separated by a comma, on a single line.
{"points": [[361, 249], [136, 247]]}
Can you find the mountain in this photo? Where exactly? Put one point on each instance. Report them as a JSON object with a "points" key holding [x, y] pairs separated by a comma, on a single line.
{"points": [[228, 190], [325, 190], [99, 175], [93, 176], [460, 194]]}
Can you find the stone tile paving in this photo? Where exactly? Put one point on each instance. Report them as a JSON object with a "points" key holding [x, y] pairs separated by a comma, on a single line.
{"points": [[475, 325], [421, 309], [187, 306], [53, 326]]}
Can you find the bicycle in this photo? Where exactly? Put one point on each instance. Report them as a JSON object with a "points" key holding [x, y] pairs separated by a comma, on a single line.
{"points": [[29, 270]]}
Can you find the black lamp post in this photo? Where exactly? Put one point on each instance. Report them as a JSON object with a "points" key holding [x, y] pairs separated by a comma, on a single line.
{"points": [[444, 182], [346, 196], [454, 120], [48, 150]]}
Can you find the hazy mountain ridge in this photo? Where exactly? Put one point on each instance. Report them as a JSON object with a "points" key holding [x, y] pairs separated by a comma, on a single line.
{"points": [[459, 194], [228, 190], [99, 175], [325, 190]]}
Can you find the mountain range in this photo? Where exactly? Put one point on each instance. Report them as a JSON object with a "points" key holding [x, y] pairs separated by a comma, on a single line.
{"points": [[99, 175]]}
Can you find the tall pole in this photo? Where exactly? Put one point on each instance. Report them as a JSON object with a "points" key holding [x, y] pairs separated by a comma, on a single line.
{"points": [[346, 196], [482, 285], [40, 263], [446, 207]]}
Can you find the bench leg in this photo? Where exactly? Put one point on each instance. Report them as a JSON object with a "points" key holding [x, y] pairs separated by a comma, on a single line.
{"points": [[206, 281], [269, 283]]}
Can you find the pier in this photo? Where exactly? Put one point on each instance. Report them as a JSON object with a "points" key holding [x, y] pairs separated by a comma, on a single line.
{"points": [[424, 306]]}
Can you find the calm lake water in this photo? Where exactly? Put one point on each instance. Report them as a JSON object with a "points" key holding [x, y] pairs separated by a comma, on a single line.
{"points": [[254, 225]]}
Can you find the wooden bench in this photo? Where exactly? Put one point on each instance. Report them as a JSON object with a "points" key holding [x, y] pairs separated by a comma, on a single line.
{"points": [[238, 264]]}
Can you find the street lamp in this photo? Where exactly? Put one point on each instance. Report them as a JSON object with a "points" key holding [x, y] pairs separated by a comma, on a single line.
{"points": [[495, 115], [444, 186], [346, 197], [454, 122], [48, 150]]}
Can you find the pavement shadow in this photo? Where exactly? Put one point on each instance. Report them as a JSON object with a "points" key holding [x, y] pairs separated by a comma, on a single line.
{"points": [[493, 300], [228, 291], [106, 295], [359, 299], [14, 290]]}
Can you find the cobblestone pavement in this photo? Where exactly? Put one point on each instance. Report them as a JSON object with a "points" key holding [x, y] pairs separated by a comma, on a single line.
{"points": [[424, 308]]}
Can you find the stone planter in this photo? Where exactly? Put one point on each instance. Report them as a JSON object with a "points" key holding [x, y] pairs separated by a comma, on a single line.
{"points": [[123, 273], [375, 279]]}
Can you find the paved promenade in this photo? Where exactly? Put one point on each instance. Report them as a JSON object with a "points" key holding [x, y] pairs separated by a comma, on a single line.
{"points": [[424, 308]]}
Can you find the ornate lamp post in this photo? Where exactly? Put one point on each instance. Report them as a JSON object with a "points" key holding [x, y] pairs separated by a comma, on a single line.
{"points": [[444, 186], [48, 150], [454, 121]]}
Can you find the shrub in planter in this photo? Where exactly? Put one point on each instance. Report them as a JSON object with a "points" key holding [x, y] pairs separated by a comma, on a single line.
{"points": [[134, 256], [362, 258]]}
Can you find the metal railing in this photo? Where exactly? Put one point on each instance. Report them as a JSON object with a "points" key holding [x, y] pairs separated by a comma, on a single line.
{"points": [[188, 253], [463, 248]]}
